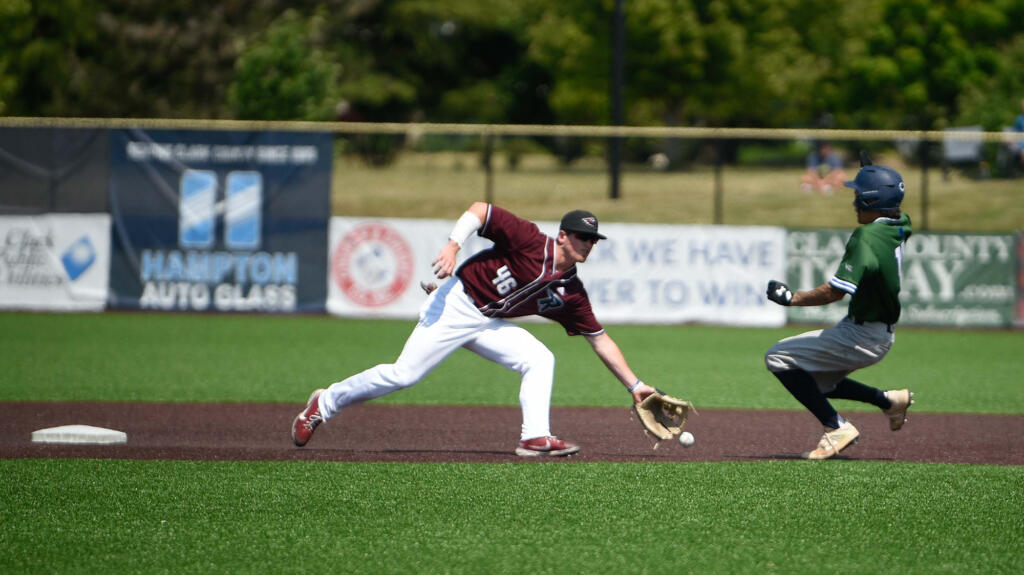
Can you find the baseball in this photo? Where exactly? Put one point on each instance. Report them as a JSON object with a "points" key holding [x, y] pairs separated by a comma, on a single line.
{"points": [[686, 439]]}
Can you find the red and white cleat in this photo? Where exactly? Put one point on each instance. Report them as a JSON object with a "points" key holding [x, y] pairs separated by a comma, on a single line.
{"points": [[308, 419], [546, 447]]}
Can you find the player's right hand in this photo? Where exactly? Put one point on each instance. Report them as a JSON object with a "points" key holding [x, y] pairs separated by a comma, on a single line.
{"points": [[444, 263], [779, 293]]}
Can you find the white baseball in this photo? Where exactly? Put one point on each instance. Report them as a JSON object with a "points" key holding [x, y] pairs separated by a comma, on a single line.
{"points": [[686, 439]]}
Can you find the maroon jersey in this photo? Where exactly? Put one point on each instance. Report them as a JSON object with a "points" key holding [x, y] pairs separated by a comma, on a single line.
{"points": [[517, 277]]}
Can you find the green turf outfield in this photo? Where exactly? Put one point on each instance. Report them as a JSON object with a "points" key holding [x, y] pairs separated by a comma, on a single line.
{"points": [[167, 357], [108, 516], [81, 516]]}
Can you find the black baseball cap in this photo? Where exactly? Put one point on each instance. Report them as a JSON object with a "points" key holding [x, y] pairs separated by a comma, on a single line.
{"points": [[581, 222]]}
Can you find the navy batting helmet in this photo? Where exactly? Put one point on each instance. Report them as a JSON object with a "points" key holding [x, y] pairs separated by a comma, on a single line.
{"points": [[877, 188]]}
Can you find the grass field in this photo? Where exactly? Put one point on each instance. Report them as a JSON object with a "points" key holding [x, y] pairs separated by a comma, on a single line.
{"points": [[81, 516], [442, 185], [110, 516], [181, 357]]}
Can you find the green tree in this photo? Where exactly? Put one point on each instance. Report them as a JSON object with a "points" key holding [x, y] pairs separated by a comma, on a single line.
{"points": [[433, 60], [41, 46], [718, 62], [994, 102], [15, 28], [284, 74], [919, 59]]}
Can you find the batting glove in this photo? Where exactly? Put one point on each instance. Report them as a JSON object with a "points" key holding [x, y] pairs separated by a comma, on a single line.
{"points": [[779, 293]]}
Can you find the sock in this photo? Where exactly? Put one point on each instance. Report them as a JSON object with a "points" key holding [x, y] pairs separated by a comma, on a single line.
{"points": [[802, 386], [856, 391]]}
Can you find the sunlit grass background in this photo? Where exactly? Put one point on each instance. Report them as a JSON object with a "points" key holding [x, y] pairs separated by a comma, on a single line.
{"points": [[442, 184]]}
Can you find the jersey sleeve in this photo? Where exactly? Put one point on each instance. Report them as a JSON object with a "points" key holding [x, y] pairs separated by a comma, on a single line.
{"points": [[576, 315], [507, 230], [857, 260]]}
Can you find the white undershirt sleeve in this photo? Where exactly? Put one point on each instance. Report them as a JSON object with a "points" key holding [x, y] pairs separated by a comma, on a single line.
{"points": [[466, 225]]}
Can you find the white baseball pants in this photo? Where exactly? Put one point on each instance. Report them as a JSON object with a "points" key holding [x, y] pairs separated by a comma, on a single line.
{"points": [[449, 320]]}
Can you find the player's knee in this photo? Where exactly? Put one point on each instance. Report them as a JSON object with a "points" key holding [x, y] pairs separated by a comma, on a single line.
{"points": [[540, 359], [775, 361], [402, 375]]}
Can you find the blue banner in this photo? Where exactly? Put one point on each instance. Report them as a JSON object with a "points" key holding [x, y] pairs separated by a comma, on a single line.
{"points": [[219, 221]]}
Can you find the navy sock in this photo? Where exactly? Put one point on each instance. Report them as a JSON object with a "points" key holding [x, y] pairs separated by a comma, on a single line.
{"points": [[802, 386], [856, 391]]}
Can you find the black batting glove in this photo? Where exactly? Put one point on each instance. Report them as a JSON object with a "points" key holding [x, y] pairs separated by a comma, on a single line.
{"points": [[779, 293]]}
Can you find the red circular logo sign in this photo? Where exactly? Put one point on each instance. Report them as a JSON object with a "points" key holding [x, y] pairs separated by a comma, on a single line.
{"points": [[372, 264]]}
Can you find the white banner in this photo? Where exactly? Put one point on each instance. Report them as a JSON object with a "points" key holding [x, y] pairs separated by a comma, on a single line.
{"points": [[55, 262], [680, 274], [375, 266], [643, 273]]}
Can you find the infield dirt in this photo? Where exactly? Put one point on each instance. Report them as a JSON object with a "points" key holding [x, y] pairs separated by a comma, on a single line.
{"points": [[260, 432]]}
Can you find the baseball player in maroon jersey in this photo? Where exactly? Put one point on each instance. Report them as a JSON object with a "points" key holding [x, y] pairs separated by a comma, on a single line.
{"points": [[525, 273]]}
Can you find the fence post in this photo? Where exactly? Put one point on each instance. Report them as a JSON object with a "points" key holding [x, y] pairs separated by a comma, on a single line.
{"points": [[716, 217], [617, 74], [488, 168], [925, 153]]}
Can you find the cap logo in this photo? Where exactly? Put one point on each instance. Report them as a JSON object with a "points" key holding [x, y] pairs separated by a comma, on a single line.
{"points": [[591, 222]]}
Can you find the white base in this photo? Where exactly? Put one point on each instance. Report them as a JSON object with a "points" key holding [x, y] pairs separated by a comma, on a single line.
{"points": [[79, 435]]}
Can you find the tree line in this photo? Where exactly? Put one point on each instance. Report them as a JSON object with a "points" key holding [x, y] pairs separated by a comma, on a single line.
{"points": [[871, 64]]}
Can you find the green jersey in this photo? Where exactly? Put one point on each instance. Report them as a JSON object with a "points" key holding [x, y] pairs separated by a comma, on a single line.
{"points": [[871, 268]]}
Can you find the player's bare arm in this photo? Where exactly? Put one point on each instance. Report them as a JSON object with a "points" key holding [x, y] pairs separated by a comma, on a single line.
{"points": [[821, 295], [471, 221], [780, 293], [609, 352]]}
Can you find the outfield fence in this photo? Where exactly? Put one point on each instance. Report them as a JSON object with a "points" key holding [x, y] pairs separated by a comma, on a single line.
{"points": [[242, 216], [956, 161]]}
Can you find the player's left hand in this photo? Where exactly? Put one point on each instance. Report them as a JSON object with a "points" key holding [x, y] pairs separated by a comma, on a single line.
{"points": [[779, 293], [663, 416], [641, 393]]}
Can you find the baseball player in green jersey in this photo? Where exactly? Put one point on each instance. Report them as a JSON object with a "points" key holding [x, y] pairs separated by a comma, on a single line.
{"points": [[814, 366]]}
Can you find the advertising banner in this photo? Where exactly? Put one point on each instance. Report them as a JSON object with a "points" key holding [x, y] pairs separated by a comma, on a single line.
{"points": [[376, 265], [948, 279], [654, 274], [219, 221], [53, 170], [54, 262], [640, 274]]}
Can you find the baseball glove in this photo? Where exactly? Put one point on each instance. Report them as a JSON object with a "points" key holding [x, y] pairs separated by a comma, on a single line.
{"points": [[663, 416]]}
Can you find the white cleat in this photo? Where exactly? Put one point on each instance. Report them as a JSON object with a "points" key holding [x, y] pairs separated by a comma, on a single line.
{"points": [[901, 400]]}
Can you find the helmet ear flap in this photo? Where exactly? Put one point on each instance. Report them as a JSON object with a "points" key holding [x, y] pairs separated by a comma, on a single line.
{"points": [[863, 203]]}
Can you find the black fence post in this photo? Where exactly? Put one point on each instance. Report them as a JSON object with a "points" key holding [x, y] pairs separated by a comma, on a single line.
{"points": [[719, 192], [488, 168], [617, 74], [925, 155]]}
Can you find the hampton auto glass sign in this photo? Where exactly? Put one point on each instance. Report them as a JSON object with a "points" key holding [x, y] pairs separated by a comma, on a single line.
{"points": [[218, 221]]}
